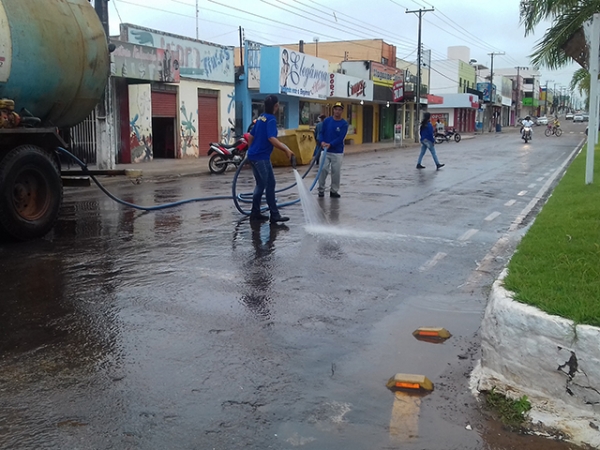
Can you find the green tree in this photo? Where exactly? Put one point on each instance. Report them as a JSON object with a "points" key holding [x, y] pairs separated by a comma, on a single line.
{"points": [[564, 41], [581, 82]]}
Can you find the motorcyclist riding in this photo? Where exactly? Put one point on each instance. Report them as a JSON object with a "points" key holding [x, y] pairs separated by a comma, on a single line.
{"points": [[527, 123]]}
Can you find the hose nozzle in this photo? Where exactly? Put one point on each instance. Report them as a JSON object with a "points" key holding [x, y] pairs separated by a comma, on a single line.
{"points": [[293, 161]]}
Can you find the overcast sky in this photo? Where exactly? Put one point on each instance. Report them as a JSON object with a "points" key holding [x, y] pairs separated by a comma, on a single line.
{"points": [[482, 25]]}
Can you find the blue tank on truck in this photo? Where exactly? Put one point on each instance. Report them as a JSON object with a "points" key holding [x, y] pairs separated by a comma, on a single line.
{"points": [[54, 66]]}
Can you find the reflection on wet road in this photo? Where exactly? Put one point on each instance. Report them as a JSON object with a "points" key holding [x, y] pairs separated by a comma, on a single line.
{"points": [[190, 329]]}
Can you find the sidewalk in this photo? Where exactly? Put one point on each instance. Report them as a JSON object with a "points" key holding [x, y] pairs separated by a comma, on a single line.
{"points": [[174, 168]]}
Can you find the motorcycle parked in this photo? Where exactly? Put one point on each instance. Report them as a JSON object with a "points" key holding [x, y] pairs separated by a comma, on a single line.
{"points": [[526, 134], [447, 136], [223, 155]]}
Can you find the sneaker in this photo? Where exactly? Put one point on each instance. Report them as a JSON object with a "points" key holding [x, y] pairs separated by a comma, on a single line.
{"points": [[334, 195], [439, 166], [419, 166], [279, 219], [259, 217], [321, 194]]}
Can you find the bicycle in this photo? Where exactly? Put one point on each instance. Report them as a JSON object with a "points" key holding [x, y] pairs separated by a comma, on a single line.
{"points": [[552, 130]]}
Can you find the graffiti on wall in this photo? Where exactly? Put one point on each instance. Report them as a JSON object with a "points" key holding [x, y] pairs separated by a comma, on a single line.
{"points": [[200, 60], [189, 137], [140, 123]]}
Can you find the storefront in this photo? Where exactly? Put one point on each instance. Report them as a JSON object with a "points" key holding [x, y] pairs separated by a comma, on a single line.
{"points": [[299, 80], [199, 110], [146, 101], [456, 111], [353, 92], [390, 111]]}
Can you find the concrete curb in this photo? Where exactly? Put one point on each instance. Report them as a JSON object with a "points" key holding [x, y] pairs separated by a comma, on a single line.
{"points": [[547, 358]]}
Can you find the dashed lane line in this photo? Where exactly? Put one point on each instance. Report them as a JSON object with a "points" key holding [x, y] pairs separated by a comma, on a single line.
{"points": [[522, 193], [510, 203], [532, 185], [432, 262], [492, 216], [468, 235]]}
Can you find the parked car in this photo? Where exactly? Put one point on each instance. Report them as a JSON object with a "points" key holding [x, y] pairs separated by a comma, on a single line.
{"points": [[586, 117], [542, 120], [569, 116], [578, 118]]}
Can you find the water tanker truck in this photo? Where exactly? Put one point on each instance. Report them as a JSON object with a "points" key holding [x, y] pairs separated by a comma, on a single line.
{"points": [[54, 65]]}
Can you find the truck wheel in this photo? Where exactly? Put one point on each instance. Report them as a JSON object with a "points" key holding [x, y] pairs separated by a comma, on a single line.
{"points": [[30, 192]]}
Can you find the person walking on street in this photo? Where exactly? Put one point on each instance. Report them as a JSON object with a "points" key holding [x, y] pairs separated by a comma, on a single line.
{"points": [[261, 141], [318, 128], [332, 138], [427, 142]]}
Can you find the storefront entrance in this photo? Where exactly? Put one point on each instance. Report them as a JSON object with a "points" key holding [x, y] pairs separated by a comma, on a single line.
{"points": [[164, 116], [208, 120], [367, 123]]}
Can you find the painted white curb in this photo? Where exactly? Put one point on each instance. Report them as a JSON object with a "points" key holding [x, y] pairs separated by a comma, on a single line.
{"points": [[552, 361]]}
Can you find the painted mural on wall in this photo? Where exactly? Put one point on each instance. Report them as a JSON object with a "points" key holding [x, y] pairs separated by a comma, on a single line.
{"points": [[140, 122], [200, 60], [189, 132], [228, 118], [144, 63]]}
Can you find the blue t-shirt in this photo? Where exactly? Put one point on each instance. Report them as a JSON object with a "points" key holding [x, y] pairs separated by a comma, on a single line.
{"points": [[426, 132], [334, 133], [265, 128]]}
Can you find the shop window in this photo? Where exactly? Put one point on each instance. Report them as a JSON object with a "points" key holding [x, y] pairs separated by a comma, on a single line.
{"points": [[310, 112], [352, 118], [259, 107]]}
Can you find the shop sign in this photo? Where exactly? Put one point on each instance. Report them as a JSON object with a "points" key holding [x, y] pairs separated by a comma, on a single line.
{"points": [[253, 64], [303, 75], [441, 117], [435, 100], [485, 88], [398, 88], [197, 59], [384, 75], [144, 63], [344, 86]]}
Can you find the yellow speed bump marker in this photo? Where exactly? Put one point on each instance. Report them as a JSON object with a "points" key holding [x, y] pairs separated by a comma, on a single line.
{"points": [[429, 334], [410, 382]]}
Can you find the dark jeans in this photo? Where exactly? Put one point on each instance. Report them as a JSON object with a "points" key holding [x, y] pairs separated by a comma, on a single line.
{"points": [[265, 180]]}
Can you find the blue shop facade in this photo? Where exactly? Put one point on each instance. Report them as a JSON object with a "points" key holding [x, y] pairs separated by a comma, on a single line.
{"points": [[300, 81]]}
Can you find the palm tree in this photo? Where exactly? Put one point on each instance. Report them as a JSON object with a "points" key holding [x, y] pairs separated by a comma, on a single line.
{"points": [[564, 41], [581, 82]]}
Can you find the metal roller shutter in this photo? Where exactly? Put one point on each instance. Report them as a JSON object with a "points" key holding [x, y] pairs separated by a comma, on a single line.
{"points": [[164, 104], [208, 121]]}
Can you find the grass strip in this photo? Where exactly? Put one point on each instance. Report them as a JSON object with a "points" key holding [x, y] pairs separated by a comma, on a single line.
{"points": [[556, 267]]}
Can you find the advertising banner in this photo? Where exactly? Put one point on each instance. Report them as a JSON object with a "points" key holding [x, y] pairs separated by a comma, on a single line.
{"points": [[5, 46], [398, 88], [199, 60], [303, 75], [344, 86], [144, 63], [384, 75], [485, 88], [253, 64]]}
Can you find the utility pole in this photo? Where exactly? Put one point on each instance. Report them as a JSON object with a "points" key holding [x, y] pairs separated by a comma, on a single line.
{"points": [[518, 106], [533, 93], [241, 47], [546, 102], [105, 148], [420, 12], [492, 100], [197, 16]]}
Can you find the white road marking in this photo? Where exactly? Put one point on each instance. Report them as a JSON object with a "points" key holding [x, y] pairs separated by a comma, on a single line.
{"points": [[432, 262], [492, 216], [522, 193], [540, 179], [468, 235], [531, 186], [510, 203]]}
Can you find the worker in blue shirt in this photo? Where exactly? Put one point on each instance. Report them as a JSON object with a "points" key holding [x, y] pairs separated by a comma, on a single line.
{"points": [[332, 138], [262, 139]]}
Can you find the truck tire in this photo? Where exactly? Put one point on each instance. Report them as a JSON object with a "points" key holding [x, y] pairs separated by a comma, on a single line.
{"points": [[30, 192]]}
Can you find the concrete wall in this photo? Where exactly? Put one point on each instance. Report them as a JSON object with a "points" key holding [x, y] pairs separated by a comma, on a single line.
{"points": [[140, 122], [444, 79]]}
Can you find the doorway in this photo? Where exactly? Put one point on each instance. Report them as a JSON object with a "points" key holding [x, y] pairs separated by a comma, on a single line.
{"points": [[163, 139], [368, 123]]}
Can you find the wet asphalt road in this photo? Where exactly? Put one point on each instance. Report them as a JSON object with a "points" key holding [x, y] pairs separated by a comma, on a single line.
{"points": [[190, 329]]}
